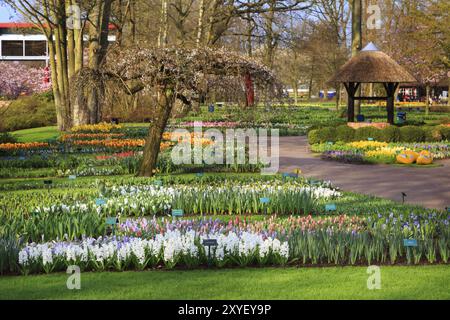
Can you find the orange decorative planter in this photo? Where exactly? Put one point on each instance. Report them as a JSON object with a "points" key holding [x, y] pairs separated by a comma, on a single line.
{"points": [[379, 125]]}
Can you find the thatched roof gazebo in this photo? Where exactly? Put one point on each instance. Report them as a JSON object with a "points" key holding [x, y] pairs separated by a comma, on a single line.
{"points": [[371, 65]]}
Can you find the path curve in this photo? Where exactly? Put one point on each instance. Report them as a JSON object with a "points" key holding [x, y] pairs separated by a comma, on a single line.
{"points": [[429, 187]]}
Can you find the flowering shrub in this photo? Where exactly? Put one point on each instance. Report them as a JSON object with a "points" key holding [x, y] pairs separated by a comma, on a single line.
{"points": [[17, 79]]}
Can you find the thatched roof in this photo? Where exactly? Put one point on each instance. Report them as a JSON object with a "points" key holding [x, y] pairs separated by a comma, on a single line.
{"points": [[371, 65]]}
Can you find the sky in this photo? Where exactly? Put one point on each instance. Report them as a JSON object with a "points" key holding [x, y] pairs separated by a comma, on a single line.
{"points": [[5, 14]]}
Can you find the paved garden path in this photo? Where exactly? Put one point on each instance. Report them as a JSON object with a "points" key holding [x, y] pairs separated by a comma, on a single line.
{"points": [[429, 187]]}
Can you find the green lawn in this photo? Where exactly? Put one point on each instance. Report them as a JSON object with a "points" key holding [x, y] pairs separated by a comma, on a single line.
{"points": [[36, 134], [47, 133], [399, 282]]}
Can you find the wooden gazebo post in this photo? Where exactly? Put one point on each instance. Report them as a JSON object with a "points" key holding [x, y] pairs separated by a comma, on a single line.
{"points": [[351, 88], [390, 92]]}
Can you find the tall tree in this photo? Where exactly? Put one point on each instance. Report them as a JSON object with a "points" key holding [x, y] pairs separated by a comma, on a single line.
{"points": [[60, 21], [357, 38], [172, 74]]}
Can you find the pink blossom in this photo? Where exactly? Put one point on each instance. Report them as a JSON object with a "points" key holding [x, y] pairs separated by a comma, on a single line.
{"points": [[18, 79]]}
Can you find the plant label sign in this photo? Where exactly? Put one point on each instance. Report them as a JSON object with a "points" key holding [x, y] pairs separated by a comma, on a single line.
{"points": [[158, 183], [330, 207], [290, 175], [330, 143], [72, 177], [200, 174], [100, 202], [210, 242], [264, 200], [410, 242], [370, 139], [177, 213], [112, 221]]}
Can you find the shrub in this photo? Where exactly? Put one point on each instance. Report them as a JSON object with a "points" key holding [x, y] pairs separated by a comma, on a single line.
{"points": [[412, 134], [365, 133], [7, 138], [432, 133], [322, 135], [389, 134], [345, 133], [29, 112], [445, 132]]}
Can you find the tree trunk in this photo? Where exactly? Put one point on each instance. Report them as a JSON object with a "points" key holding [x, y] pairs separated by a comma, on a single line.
{"points": [[270, 37], [166, 101], [250, 29], [427, 103], [212, 21], [357, 40], [448, 90], [164, 27], [78, 39], [70, 46], [55, 88], [201, 13], [61, 73], [90, 112], [295, 87], [338, 96]]}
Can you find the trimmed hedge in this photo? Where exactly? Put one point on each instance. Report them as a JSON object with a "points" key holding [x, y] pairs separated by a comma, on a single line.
{"points": [[365, 133], [345, 133], [326, 134], [412, 134], [388, 134]]}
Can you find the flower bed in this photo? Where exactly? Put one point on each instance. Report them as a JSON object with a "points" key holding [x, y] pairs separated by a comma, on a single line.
{"points": [[298, 240], [12, 147], [379, 125], [96, 128], [377, 152], [170, 249], [228, 197]]}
